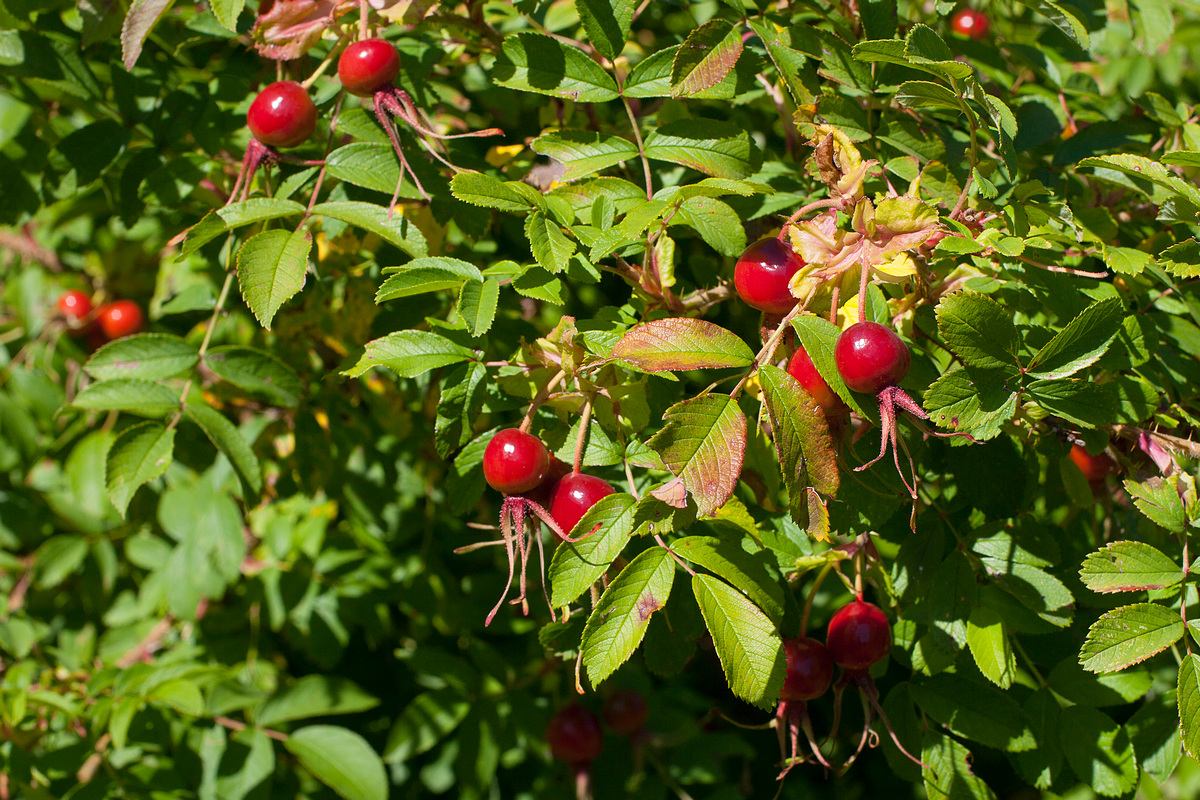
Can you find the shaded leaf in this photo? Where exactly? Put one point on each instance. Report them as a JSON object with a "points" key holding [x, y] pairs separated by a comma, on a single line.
{"points": [[340, 759], [143, 355]]}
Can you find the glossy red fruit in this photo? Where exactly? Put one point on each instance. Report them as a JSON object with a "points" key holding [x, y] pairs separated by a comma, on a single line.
{"points": [[283, 115], [574, 495], [515, 461], [809, 670], [970, 23], [1094, 467], [870, 356], [74, 305], [859, 635], [801, 368], [543, 493], [625, 712], [762, 274], [574, 735], [118, 319], [367, 66]]}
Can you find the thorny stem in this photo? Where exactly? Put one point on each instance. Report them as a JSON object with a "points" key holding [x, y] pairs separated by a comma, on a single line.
{"points": [[767, 349], [541, 398], [812, 595], [581, 441], [1187, 639], [1067, 270]]}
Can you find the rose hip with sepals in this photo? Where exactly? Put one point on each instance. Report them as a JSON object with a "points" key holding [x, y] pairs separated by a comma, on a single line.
{"points": [[282, 115], [763, 273], [573, 495], [801, 368], [870, 356], [809, 669], [625, 712], [515, 461], [970, 23], [367, 66], [118, 319], [859, 635]]}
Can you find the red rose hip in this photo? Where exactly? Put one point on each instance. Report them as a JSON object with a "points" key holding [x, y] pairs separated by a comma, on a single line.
{"points": [[625, 712], [1094, 467], [515, 461], [367, 66], [809, 670], [801, 368], [574, 495], [574, 735], [74, 305], [282, 115], [970, 23], [119, 319], [762, 274], [870, 356], [859, 635]]}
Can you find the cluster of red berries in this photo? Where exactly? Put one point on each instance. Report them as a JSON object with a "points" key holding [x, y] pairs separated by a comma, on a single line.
{"points": [[517, 463], [110, 321], [858, 636], [574, 733]]}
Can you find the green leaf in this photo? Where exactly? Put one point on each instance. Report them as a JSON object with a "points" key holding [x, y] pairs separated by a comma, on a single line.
{"points": [[651, 77], [1081, 343], [258, 372], [1189, 703], [575, 566], [227, 12], [706, 57], [679, 343], [714, 147], [532, 62], [409, 354], [181, 694], [234, 215], [975, 710], [1126, 260], [787, 60], [584, 152], [618, 623], [485, 191], [980, 331], [629, 230], [1158, 499], [1082, 402], [139, 455], [424, 722], [703, 443], [551, 248], [59, 557], [123, 710], [717, 223], [925, 50], [139, 397], [801, 436], [340, 759], [947, 773], [990, 646], [1098, 750], [953, 596], [1129, 567], [372, 165], [477, 305], [271, 267], [396, 229], [229, 440], [607, 24], [1154, 731], [314, 696], [959, 402], [144, 355], [728, 560], [1144, 168], [1181, 260], [430, 274], [926, 94], [142, 17], [1072, 682], [819, 338], [746, 641], [1065, 21], [1129, 635]]}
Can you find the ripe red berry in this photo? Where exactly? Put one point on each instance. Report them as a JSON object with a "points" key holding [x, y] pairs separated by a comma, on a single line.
{"points": [[574, 495], [859, 635], [762, 274], [1094, 467], [801, 368], [283, 115], [118, 319], [574, 735], [970, 23], [870, 356], [809, 670], [368, 66], [625, 712], [74, 305], [515, 461]]}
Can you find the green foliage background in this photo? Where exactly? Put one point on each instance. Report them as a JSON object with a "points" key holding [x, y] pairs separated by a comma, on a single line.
{"points": [[226, 551]]}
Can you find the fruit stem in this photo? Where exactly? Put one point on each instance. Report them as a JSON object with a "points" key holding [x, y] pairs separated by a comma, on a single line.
{"points": [[583, 780], [808, 209], [581, 441], [364, 12], [334, 51], [539, 399], [769, 347], [812, 595], [208, 334], [658, 538]]}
